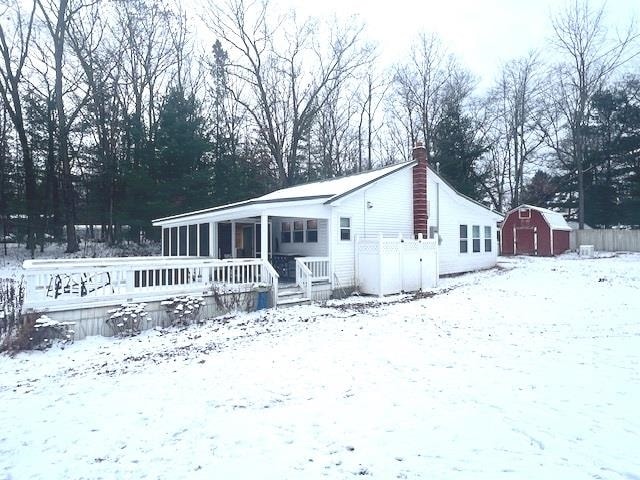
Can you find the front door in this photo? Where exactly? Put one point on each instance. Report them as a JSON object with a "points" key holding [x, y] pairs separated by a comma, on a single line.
{"points": [[525, 241]]}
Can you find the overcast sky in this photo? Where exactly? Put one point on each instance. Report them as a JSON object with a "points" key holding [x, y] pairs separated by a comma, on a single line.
{"points": [[482, 33]]}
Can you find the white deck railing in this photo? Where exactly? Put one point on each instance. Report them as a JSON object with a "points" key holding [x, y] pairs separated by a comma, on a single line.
{"points": [[319, 267], [304, 277], [63, 284]]}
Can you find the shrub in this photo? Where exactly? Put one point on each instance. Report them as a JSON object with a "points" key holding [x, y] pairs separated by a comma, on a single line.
{"points": [[11, 318], [39, 333], [183, 309], [126, 320]]}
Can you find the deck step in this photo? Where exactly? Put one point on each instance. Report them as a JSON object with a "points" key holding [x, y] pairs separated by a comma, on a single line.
{"points": [[291, 302], [289, 292]]}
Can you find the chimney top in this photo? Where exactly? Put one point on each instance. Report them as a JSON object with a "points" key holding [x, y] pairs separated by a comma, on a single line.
{"points": [[420, 152]]}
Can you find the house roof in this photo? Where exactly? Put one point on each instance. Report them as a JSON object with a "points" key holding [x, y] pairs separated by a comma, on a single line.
{"points": [[555, 219], [327, 190]]}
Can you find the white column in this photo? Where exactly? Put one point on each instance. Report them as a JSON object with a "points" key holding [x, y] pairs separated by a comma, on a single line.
{"points": [[264, 237], [233, 239], [162, 240]]}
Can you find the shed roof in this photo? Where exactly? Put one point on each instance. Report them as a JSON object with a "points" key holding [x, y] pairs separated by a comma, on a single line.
{"points": [[555, 220]]}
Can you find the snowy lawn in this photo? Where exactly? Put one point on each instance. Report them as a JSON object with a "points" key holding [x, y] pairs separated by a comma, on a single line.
{"points": [[527, 371]]}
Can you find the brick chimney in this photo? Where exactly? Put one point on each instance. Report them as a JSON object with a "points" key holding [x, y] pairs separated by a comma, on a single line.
{"points": [[420, 213]]}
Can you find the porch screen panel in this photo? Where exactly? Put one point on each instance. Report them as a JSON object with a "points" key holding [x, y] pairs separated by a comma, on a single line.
{"points": [[193, 240], [182, 244], [165, 242], [174, 241], [204, 240]]}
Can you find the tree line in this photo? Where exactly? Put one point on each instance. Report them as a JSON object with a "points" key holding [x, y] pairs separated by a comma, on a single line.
{"points": [[115, 112]]}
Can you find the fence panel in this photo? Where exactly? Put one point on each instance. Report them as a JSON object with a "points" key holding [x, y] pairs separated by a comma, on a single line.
{"points": [[608, 240], [393, 265]]}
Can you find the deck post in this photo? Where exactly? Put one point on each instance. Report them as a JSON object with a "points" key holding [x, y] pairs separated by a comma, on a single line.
{"points": [[233, 239], [264, 237]]}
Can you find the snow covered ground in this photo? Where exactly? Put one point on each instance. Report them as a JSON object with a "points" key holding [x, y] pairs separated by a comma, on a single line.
{"points": [[531, 370]]}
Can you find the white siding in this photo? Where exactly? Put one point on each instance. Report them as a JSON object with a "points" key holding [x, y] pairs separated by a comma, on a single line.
{"points": [[313, 249], [454, 211], [391, 213]]}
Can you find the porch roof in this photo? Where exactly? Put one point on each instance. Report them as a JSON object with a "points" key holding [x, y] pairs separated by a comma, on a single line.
{"points": [[311, 196]]}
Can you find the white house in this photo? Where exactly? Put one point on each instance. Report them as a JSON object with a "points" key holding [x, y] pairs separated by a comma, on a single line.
{"points": [[319, 224]]}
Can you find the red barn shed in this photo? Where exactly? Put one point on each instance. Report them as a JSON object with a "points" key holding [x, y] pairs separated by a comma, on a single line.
{"points": [[529, 230]]}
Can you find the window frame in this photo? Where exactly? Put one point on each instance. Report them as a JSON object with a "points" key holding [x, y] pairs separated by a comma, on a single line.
{"points": [[475, 239], [297, 234], [346, 229], [488, 238], [286, 232], [313, 231], [464, 239], [521, 213]]}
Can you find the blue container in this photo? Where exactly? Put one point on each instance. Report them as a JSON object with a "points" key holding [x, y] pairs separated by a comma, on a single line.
{"points": [[263, 301]]}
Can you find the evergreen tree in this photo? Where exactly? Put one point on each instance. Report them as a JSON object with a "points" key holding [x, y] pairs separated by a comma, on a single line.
{"points": [[457, 150]]}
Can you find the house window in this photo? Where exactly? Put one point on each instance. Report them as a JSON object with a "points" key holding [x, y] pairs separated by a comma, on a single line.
{"points": [[174, 242], [312, 231], [193, 240], [487, 239], [182, 241], [204, 239], [298, 231], [476, 238], [524, 213], [464, 246], [165, 242], [285, 229], [345, 228]]}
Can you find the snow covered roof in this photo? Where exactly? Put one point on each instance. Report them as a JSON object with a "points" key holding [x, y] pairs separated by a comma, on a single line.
{"points": [[327, 190], [333, 188], [555, 219]]}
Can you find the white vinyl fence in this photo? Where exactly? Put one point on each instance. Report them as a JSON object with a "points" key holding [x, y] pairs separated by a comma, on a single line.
{"points": [[606, 240], [388, 265]]}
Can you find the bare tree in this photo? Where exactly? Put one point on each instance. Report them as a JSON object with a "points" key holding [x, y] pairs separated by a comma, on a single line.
{"points": [[591, 57], [514, 106], [289, 72], [14, 49], [57, 15], [420, 86]]}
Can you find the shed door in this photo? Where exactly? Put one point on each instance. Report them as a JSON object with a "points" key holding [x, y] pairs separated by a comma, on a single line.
{"points": [[525, 241]]}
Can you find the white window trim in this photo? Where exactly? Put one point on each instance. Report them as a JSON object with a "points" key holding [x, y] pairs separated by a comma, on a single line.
{"points": [[340, 228], [489, 237], [474, 238], [522, 211], [461, 239]]}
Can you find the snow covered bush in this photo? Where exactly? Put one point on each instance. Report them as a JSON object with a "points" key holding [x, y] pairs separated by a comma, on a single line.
{"points": [[126, 320], [47, 331], [183, 309], [39, 332]]}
